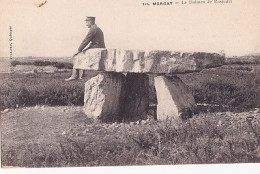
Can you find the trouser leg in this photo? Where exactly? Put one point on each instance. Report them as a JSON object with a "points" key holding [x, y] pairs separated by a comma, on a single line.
{"points": [[81, 73], [74, 73]]}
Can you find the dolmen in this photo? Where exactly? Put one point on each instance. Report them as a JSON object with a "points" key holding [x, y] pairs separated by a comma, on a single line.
{"points": [[120, 91]]}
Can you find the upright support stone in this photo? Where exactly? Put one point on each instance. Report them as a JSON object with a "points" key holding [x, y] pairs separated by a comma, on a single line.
{"points": [[102, 96], [135, 101], [174, 98]]}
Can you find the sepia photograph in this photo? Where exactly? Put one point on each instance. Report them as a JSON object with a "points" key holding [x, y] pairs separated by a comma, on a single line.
{"points": [[133, 83]]}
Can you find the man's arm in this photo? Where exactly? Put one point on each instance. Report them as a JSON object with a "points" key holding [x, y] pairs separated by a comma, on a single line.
{"points": [[87, 39]]}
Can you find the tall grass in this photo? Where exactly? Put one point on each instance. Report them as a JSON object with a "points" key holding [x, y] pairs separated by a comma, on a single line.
{"points": [[18, 90], [233, 90], [208, 138], [205, 138]]}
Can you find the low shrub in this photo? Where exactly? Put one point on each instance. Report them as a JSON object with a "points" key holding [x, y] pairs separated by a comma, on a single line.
{"points": [[42, 63], [59, 65], [63, 65], [15, 62]]}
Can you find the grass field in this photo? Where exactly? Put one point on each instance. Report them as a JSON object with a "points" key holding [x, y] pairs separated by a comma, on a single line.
{"points": [[19, 90], [226, 130], [221, 88], [64, 136]]}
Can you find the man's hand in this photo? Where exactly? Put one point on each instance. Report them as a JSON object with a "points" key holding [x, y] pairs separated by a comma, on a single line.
{"points": [[83, 51], [75, 54]]}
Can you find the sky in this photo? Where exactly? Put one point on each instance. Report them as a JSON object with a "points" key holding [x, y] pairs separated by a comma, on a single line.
{"points": [[57, 28]]}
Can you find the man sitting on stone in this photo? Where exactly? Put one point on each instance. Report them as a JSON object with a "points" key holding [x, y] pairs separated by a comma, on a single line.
{"points": [[95, 37]]}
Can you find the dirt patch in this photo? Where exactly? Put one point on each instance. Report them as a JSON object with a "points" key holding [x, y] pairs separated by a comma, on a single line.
{"points": [[38, 124]]}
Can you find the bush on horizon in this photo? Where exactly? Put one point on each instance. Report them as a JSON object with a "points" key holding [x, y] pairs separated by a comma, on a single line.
{"points": [[59, 65]]}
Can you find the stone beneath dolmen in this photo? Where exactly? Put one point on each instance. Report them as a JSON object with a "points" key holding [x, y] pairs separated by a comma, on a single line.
{"points": [[102, 96], [139, 61], [135, 100], [174, 98]]}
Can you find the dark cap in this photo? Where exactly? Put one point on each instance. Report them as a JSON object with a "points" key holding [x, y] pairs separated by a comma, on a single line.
{"points": [[90, 18]]}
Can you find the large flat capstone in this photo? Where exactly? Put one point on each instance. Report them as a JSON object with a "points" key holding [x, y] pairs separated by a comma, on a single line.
{"points": [[146, 61]]}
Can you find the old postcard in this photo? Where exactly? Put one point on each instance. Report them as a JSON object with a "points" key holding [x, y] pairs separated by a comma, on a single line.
{"points": [[128, 83]]}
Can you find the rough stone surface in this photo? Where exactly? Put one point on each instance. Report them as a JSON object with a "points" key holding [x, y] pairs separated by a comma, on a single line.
{"points": [[174, 98], [93, 59], [146, 61], [253, 59], [129, 61], [135, 94], [177, 62], [109, 61], [102, 96]]}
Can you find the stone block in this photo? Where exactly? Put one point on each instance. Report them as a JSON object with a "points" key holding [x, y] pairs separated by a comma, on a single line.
{"points": [[129, 60], [176, 62], [93, 59], [208, 60], [174, 98], [165, 62], [102, 96], [108, 63]]}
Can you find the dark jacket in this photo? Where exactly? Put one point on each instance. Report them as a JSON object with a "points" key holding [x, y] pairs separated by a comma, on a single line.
{"points": [[95, 36]]}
